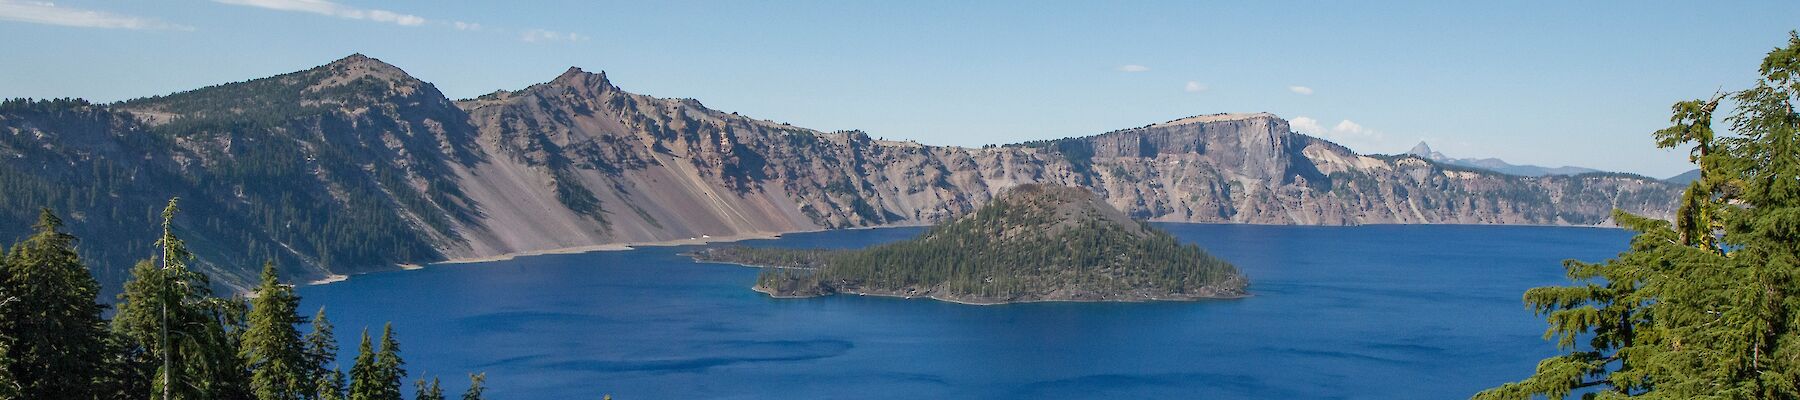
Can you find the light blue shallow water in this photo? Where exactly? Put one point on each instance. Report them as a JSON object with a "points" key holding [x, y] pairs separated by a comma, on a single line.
{"points": [[1380, 312]]}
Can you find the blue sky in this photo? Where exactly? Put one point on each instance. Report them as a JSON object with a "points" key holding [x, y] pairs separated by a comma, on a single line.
{"points": [[1545, 83]]}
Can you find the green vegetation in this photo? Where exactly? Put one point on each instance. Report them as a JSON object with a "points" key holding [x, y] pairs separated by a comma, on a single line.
{"points": [[346, 176], [1035, 242], [1707, 306], [171, 338]]}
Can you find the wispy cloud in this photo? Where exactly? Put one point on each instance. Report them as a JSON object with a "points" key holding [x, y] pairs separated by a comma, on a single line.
{"points": [[465, 26], [323, 7], [1346, 132], [1307, 125], [1301, 90], [1133, 68], [1194, 87], [540, 35], [50, 14]]}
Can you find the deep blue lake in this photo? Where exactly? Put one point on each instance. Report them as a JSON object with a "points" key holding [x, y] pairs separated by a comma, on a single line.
{"points": [[1380, 312]]}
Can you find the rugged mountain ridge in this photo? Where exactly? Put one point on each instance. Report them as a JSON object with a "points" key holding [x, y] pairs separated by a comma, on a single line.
{"points": [[1497, 165], [356, 166]]}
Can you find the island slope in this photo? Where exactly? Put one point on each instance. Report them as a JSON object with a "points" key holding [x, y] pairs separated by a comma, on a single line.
{"points": [[1035, 242]]}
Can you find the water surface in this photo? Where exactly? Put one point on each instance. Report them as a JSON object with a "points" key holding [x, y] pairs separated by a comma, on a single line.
{"points": [[1388, 312]]}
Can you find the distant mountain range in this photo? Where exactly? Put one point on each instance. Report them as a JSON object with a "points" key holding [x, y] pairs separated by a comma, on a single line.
{"points": [[1495, 164], [357, 166], [1684, 178]]}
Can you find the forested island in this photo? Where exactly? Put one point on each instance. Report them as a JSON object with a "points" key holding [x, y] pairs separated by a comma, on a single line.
{"points": [[1035, 242]]}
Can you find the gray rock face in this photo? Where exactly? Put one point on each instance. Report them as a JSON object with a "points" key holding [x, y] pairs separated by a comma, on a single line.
{"points": [[578, 162]]}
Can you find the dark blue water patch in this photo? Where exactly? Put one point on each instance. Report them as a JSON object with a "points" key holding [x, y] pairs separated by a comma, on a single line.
{"points": [[1337, 312], [712, 355]]}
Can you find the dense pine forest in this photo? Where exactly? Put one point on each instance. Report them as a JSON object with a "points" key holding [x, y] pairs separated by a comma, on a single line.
{"points": [[304, 168], [1035, 242], [170, 336], [1707, 306]]}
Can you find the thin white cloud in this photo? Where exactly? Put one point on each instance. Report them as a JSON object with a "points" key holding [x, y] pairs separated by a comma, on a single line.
{"points": [[47, 13], [1350, 128], [1346, 132], [1301, 90], [540, 35], [1307, 125], [323, 7], [1194, 87], [1133, 68], [465, 26]]}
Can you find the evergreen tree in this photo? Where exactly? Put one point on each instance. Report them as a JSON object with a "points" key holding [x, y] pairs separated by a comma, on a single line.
{"points": [[321, 358], [53, 322], [330, 386], [272, 346], [377, 374], [476, 386], [363, 373], [389, 366], [1709, 306], [168, 314], [428, 391], [9, 387]]}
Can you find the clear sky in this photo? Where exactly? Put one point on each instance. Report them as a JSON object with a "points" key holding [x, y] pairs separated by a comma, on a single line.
{"points": [[1549, 83]]}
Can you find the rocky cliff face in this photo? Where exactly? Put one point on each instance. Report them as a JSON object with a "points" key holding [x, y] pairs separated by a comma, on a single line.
{"points": [[355, 166]]}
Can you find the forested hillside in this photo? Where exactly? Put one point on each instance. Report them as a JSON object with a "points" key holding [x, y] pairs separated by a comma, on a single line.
{"points": [[1033, 243]]}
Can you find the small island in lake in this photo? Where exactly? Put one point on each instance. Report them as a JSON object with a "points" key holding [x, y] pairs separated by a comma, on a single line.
{"points": [[1033, 242]]}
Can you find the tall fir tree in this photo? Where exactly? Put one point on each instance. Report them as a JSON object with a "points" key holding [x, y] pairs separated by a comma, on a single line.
{"points": [[321, 358], [390, 369], [9, 387], [1709, 306], [477, 385], [330, 386], [168, 314], [272, 345], [57, 335], [432, 390], [364, 371]]}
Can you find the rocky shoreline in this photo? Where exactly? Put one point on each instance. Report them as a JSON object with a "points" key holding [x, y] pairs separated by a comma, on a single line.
{"points": [[1136, 296]]}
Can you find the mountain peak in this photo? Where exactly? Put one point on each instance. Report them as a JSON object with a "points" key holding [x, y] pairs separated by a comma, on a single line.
{"points": [[359, 65], [1421, 150], [575, 76]]}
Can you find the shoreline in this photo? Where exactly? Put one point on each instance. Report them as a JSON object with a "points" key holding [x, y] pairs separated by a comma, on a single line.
{"points": [[335, 278], [614, 247], [773, 295]]}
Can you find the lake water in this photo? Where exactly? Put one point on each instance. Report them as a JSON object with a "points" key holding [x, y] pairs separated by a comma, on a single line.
{"points": [[1379, 312]]}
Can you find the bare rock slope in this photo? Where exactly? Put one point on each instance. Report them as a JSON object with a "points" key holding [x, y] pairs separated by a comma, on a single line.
{"points": [[356, 166]]}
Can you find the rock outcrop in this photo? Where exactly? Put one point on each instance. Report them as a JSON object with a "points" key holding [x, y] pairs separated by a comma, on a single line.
{"points": [[356, 166]]}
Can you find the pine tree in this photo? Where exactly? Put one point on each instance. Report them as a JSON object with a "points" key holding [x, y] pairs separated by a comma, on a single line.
{"points": [[476, 386], [272, 346], [428, 391], [363, 373], [389, 367], [1709, 306], [321, 358], [57, 336], [330, 386], [9, 387], [167, 313]]}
